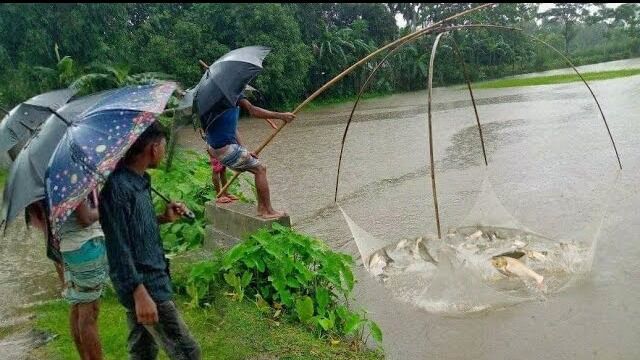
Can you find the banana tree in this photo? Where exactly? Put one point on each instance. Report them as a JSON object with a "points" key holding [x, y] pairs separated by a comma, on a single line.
{"points": [[62, 74], [106, 77]]}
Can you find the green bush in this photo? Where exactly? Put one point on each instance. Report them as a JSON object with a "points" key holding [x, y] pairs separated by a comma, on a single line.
{"points": [[188, 181], [289, 275]]}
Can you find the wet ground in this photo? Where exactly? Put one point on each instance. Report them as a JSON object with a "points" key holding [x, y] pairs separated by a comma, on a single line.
{"points": [[27, 277], [550, 164]]}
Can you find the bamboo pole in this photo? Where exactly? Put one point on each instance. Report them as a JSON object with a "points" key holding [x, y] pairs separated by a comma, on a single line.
{"points": [[373, 72], [349, 70], [473, 100], [429, 97], [446, 30], [501, 27], [468, 81], [353, 109]]}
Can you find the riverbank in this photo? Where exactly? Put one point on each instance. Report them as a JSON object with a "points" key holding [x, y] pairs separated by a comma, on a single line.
{"points": [[228, 330], [225, 330], [590, 72], [555, 79]]}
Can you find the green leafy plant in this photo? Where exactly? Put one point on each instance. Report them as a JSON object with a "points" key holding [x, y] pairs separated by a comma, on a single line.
{"points": [[297, 276], [103, 77], [189, 182]]}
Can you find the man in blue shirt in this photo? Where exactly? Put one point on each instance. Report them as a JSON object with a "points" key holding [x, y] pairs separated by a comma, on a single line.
{"points": [[137, 265], [223, 138]]}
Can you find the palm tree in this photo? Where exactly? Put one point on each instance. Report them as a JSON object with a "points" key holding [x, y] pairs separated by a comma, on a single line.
{"points": [[338, 48]]}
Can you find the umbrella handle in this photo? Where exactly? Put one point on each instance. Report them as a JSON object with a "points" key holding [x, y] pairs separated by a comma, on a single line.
{"points": [[188, 213]]}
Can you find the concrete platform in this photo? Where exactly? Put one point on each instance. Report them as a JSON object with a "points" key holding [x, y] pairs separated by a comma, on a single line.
{"points": [[229, 223]]}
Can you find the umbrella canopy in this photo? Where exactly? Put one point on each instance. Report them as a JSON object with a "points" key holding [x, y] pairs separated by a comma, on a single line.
{"points": [[226, 78], [23, 120], [94, 143], [186, 103], [26, 181]]}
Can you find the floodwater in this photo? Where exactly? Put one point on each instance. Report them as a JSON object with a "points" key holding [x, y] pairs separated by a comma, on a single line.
{"points": [[551, 170]]}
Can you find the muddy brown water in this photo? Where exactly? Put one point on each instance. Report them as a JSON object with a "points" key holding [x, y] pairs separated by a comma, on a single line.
{"points": [[550, 164]]}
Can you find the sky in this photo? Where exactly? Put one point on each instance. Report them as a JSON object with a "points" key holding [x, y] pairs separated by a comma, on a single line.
{"points": [[543, 7]]}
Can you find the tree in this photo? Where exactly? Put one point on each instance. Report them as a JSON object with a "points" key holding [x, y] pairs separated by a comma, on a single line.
{"points": [[409, 12], [567, 14], [63, 74], [113, 76], [628, 15]]}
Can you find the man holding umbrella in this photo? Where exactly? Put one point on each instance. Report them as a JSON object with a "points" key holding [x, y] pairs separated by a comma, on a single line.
{"points": [[218, 99], [225, 145], [78, 148]]}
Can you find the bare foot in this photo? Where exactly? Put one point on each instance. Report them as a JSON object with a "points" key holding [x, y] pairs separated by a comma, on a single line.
{"points": [[271, 214], [232, 197], [223, 200]]}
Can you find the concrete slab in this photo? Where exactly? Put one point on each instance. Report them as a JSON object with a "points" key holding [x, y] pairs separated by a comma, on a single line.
{"points": [[229, 223]]}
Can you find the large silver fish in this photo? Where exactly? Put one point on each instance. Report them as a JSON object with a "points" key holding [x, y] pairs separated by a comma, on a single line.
{"points": [[510, 266], [378, 262], [420, 251]]}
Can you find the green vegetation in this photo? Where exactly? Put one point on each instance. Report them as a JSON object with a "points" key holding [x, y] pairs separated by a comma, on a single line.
{"points": [[287, 275], [556, 79], [189, 181], [228, 330], [3, 177], [96, 46], [295, 315]]}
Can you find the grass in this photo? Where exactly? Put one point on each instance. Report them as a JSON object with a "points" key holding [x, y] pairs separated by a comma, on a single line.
{"points": [[556, 79], [323, 103], [230, 330], [226, 330], [3, 177]]}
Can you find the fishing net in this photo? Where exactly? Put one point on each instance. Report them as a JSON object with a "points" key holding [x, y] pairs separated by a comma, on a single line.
{"points": [[540, 202]]}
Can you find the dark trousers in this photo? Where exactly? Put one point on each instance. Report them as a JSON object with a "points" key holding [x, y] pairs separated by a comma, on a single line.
{"points": [[170, 332]]}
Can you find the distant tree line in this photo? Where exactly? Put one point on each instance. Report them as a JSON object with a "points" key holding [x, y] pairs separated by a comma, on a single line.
{"points": [[98, 46]]}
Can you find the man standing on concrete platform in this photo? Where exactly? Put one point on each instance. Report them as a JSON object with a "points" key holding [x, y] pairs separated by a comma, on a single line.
{"points": [[222, 136]]}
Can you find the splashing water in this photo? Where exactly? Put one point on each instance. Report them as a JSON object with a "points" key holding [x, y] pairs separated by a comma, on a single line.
{"points": [[456, 275]]}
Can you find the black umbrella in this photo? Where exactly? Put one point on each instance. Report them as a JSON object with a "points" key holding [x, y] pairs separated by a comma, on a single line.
{"points": [[25, 182], [225, 79], [23, 120]]}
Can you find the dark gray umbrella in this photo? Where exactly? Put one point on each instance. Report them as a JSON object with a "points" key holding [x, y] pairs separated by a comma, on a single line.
{"points": [[186, 103], [23, 120], [226, 78], [88, 118], [25, 183]]}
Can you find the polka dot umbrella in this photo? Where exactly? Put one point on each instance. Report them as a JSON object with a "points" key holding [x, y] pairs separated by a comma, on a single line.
{"points": [[25, 181], [77, 146], [95, 142]]}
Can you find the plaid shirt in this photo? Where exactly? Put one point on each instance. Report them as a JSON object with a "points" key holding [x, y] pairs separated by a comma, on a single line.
{"points": [[134, 247]]}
